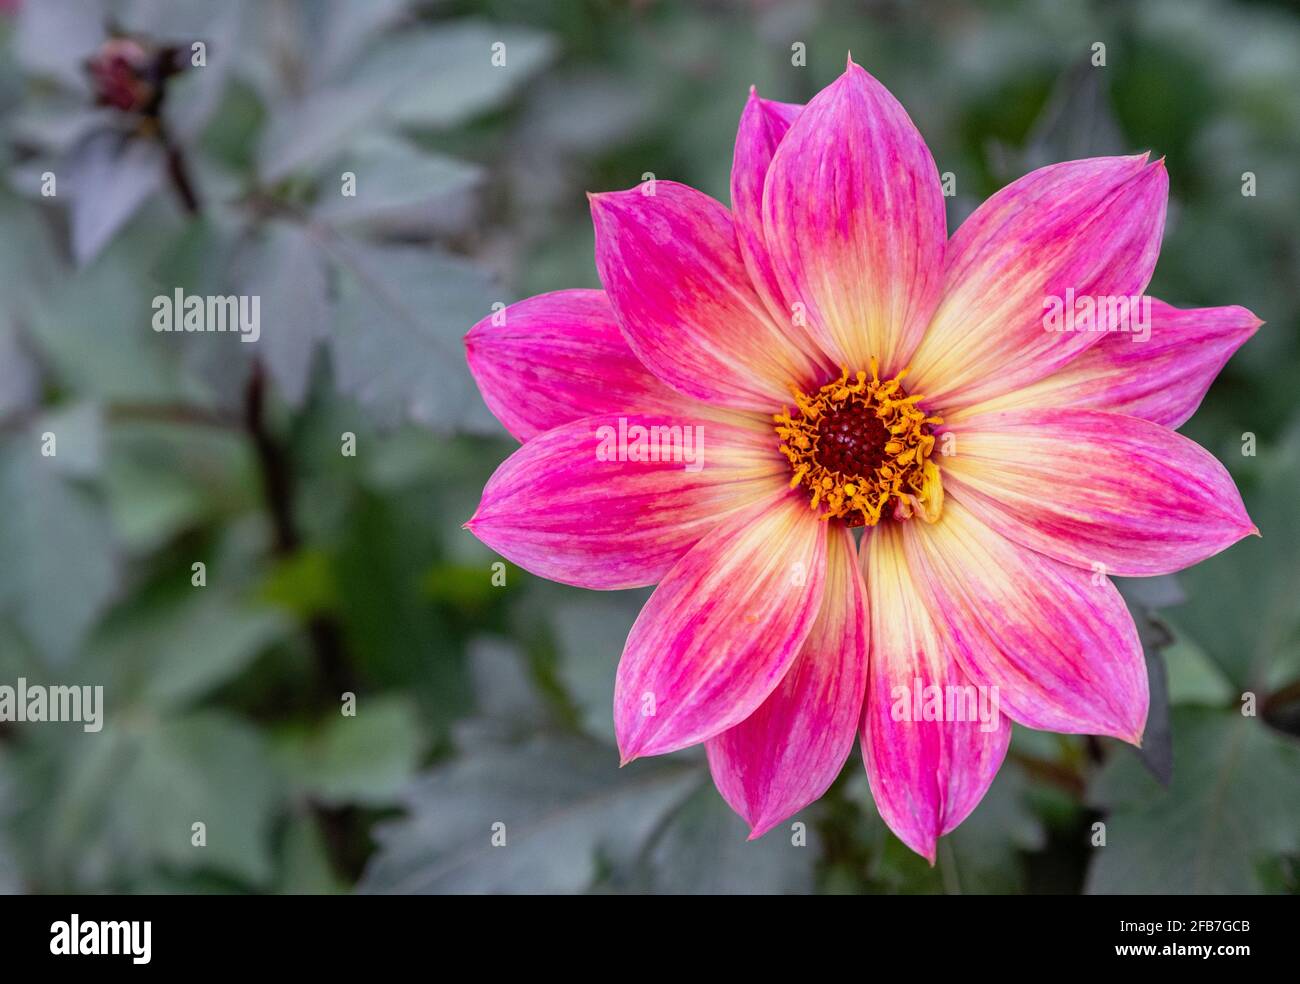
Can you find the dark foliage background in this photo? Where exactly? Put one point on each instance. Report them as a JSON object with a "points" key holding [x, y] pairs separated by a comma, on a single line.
{"points": [[328, 573]]}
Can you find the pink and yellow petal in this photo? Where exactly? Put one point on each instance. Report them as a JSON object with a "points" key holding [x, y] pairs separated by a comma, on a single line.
{"points": [[931, 741], [854, 222], [1097, 490], [559, 357], [1088, 228], [1159, 370], [1058, 642], [720, 632], [788, 752], [609, 502], [671, 265], [763, 124]]}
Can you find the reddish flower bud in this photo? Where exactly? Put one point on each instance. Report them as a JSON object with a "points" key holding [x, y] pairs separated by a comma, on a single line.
{"points": [[128, 74]]}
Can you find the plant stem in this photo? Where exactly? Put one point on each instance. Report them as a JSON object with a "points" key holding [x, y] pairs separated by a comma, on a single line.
{"points": [[341, 827], [179, 173], [277, 492]]}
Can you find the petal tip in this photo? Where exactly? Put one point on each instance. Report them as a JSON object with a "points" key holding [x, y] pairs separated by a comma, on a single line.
{"points": [[1129, 734], [473, 342], [630, 746], [761, 826], [929, 851], [603, 203], [920, 840]]}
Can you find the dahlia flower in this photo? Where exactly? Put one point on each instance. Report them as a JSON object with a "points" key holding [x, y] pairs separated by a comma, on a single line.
{"points": [[869, 466]]}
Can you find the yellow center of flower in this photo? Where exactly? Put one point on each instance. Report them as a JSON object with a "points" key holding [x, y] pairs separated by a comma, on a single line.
{"points": [[861, 448]]}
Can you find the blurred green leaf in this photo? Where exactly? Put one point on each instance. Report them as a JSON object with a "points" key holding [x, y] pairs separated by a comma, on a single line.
{"points": [[11, 878], [173, 643], [111, 176], [400, 190], [59, 570], [1242, 607], [346, 28], [161, 479], [366, 759], [302, 583], [566, 807], [1232, 805], [94, 333], [397, 339], [505, 693], [301, 134], [290, 273], [457, 76], [428, 77], [130, 800], [55, 37], [28, 262], [79, 431], [305, 867], [397, 636], [702, 849], [591, 629]]}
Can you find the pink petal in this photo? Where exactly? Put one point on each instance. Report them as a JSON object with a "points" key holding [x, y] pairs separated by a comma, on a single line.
{"points": [[762, 125], [926, 775], [788, 752], [1097, 490], [718, 635], [854, 219], [1057, 642], [1090, 226], [559, 357], [672, 268], [1162, 378], [565, 508]]}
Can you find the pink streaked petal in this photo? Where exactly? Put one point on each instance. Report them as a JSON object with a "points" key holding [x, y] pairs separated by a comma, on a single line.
{"points": [[1091, 226], [926, 775], [560, 508], [721, 630], [673, 271], [762, 126], [854, 222], [559, 357], [1058, 642], [1097, 490], [788, 752], [1161, 378]]}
